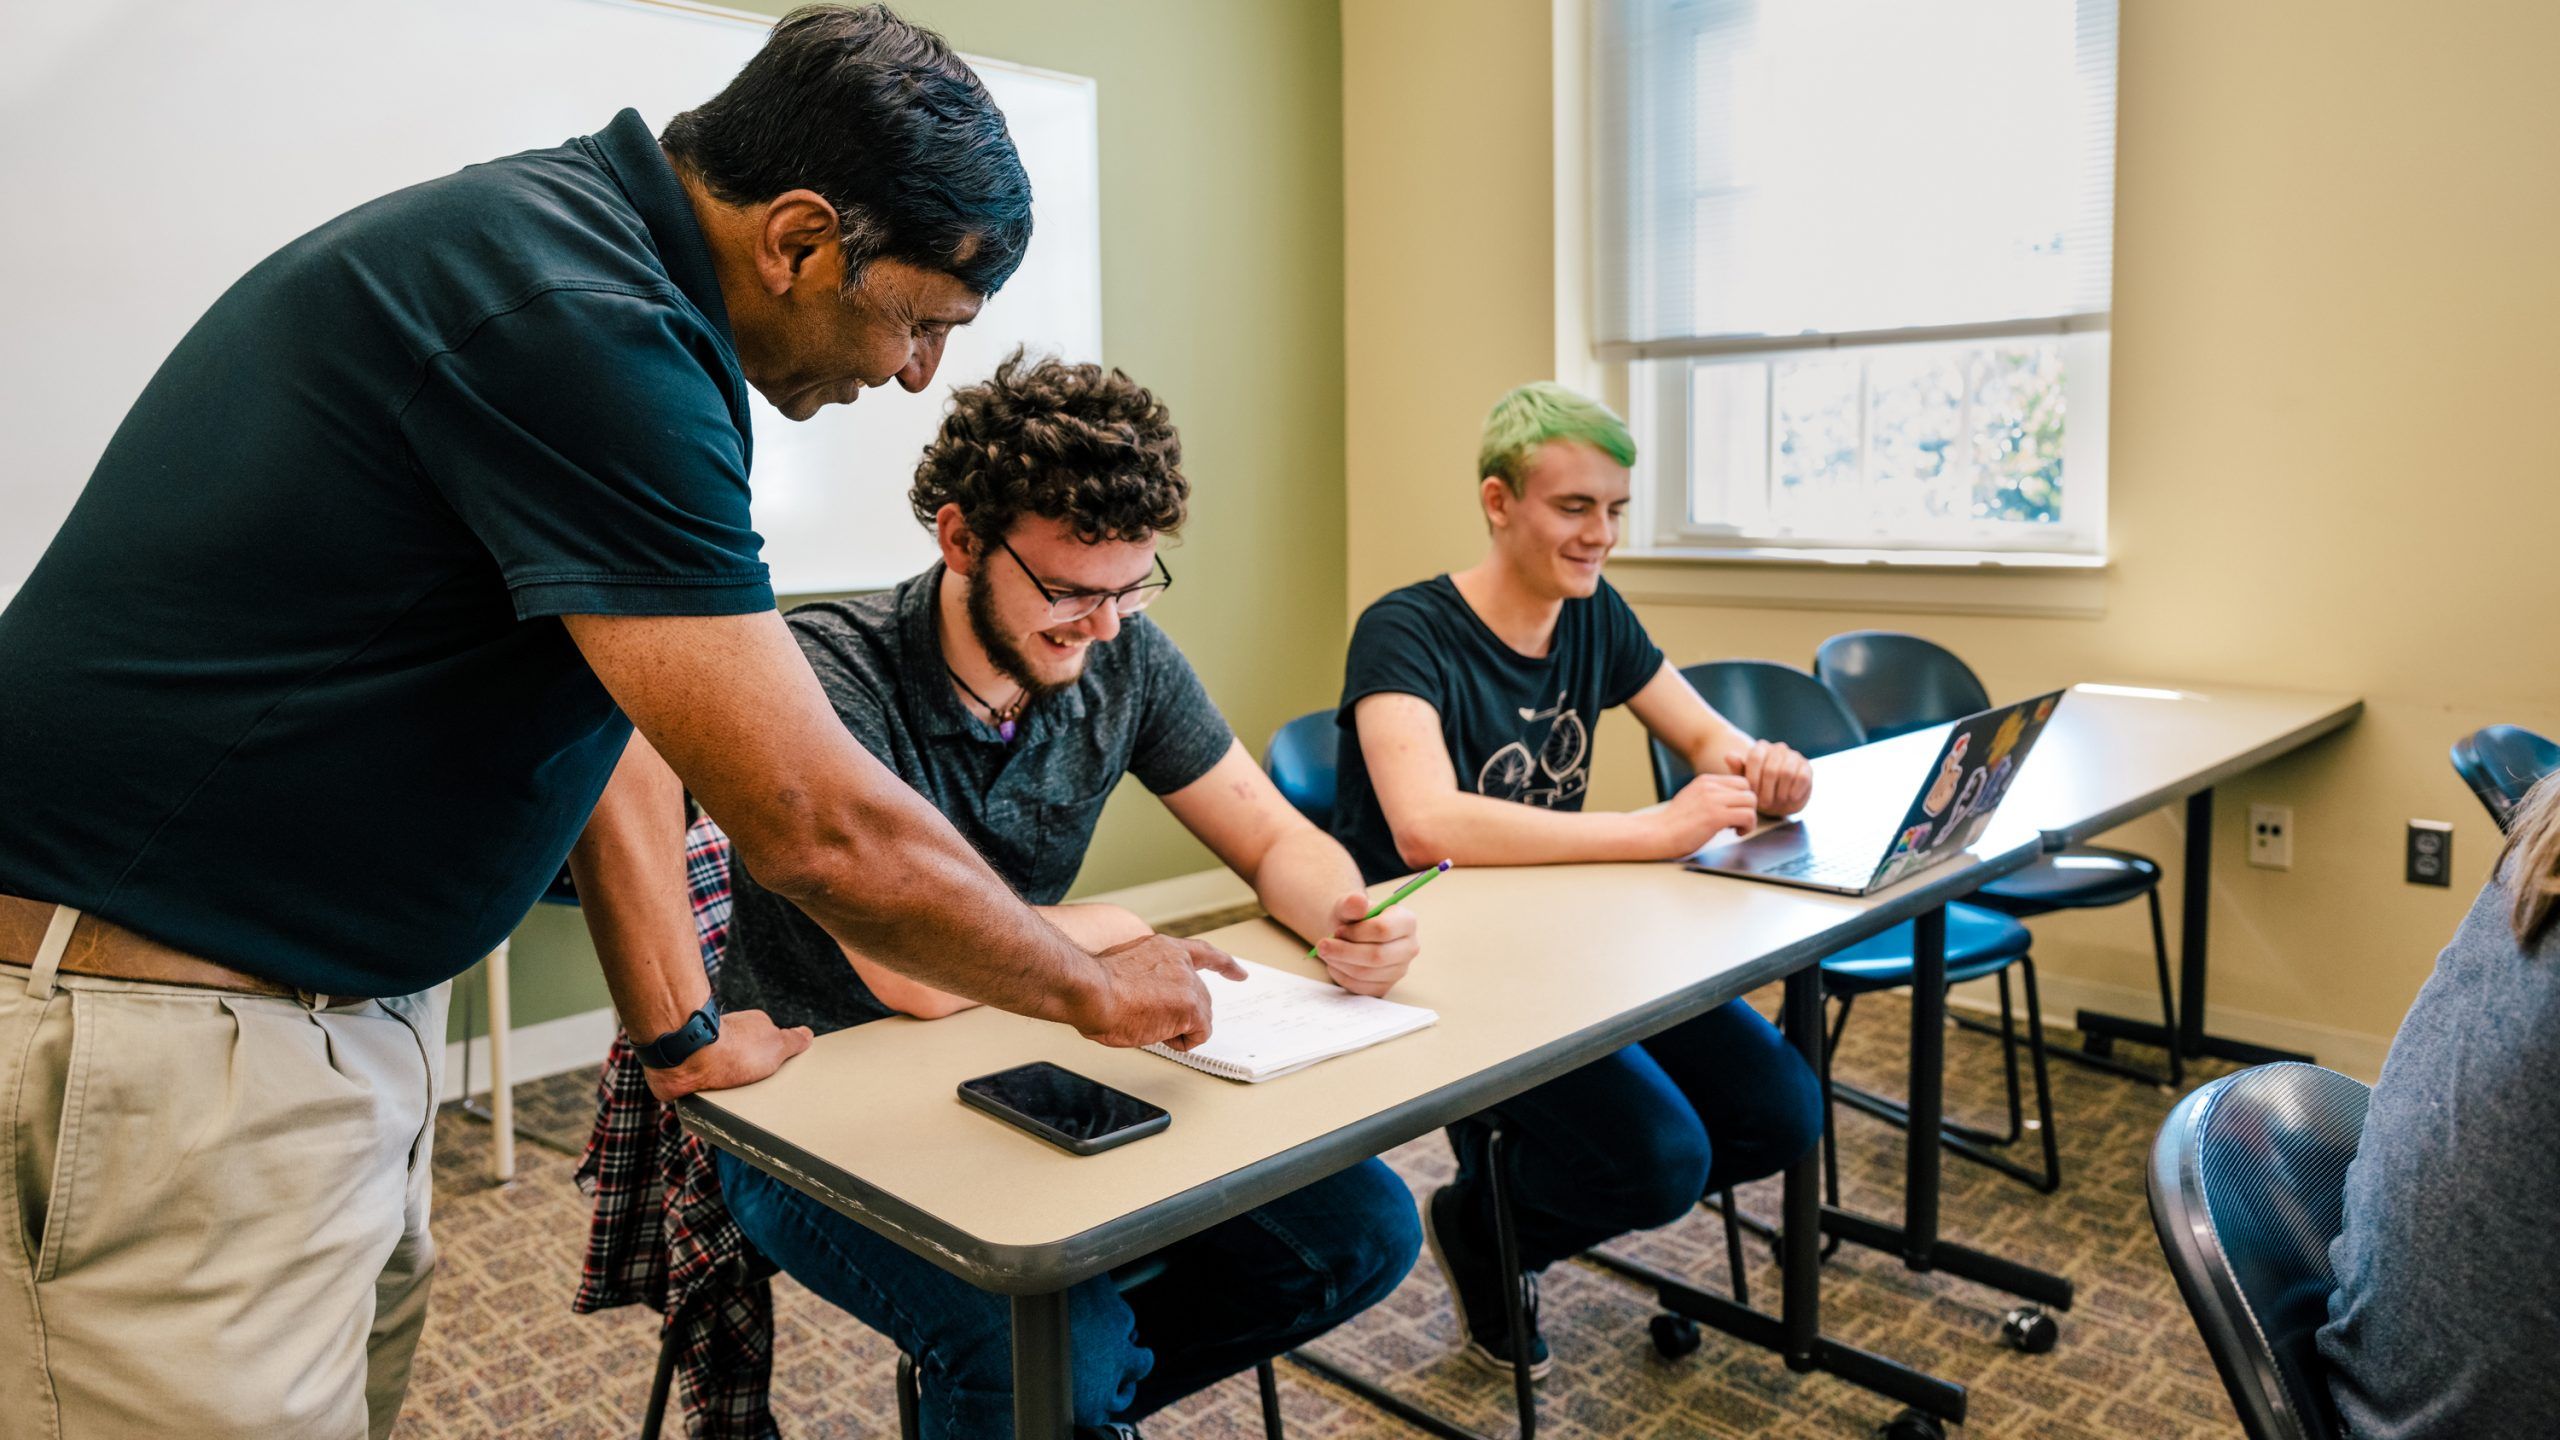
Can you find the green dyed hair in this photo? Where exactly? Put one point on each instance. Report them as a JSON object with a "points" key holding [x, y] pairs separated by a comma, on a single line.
{"points": [[1542, 411]]}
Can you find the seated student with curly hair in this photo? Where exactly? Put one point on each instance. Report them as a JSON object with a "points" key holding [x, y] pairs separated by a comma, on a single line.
{"points": [[1013, 684]]}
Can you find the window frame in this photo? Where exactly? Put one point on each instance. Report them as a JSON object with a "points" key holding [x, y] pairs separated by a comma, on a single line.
{"points": [[1660, 395]]}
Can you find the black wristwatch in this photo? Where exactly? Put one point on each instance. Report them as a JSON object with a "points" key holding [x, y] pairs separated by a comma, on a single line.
{"points": [[671, 1049]]}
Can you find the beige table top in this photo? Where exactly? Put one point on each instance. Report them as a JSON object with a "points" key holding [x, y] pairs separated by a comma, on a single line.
{"points": [[1533, 971], [2114, 752]]}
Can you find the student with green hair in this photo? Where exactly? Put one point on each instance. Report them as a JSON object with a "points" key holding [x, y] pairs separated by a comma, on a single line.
{"points": [[1467, 709]]}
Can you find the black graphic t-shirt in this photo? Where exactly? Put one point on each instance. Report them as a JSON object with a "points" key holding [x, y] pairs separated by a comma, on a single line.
{"points": [[1518, 728]]}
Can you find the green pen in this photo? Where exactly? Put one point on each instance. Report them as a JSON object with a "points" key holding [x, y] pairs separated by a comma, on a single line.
{"points": [[1416, 883]]}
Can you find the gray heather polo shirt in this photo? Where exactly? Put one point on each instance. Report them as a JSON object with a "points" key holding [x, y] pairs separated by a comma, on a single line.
{"points": [[1029, 806]]}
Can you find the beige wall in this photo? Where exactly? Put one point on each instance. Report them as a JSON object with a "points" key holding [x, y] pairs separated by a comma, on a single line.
{"points": [[1222, 290], [2334, 310]]}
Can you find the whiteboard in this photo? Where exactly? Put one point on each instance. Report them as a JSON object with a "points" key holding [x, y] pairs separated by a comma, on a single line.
{"points": [[162, 147]]}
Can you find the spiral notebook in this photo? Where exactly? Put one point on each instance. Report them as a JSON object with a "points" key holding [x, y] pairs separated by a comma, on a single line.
{"points": [[1274, 1022]]}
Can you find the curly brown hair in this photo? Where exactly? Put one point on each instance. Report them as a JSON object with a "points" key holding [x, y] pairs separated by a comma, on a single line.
{"points": [[1076, 443]]}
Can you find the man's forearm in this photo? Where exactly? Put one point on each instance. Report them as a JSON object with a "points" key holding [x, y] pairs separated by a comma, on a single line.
{"points": [[1303, 876], [629, 869], [1480, 830], [1093, 927], [892, 880]]}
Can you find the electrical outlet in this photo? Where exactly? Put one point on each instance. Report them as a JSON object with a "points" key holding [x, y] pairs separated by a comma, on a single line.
{"points": [[2430, 856], [2271, 837]]}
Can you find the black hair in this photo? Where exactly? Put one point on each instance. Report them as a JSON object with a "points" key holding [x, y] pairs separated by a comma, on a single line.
{"points": [[882, 119]]}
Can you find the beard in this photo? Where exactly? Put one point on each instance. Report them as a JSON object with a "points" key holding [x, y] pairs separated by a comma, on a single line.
{"points": [[1008, 657]]}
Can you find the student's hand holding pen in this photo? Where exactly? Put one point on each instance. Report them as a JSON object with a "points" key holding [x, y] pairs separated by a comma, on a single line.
{"points": [[1365, 955], [1781, 780]]}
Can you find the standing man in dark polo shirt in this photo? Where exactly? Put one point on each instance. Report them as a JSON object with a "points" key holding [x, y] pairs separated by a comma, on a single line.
{"points": [[324, 674]]}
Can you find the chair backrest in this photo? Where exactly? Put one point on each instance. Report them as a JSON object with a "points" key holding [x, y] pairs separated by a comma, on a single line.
{"points": [[1769, 701], [1302, 759], [2500, 763], [2248, 1187], [1896, 683]]}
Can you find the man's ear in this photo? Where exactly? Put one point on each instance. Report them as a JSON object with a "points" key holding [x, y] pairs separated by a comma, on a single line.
{"points": [[959, 546], [1495, 493], [799, 241]]}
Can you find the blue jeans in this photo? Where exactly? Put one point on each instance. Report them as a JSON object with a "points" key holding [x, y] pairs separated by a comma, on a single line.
{"points": [[1230, 1297], [1635, 1139]]}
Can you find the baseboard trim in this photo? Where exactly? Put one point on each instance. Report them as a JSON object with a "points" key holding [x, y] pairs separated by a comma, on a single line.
{"points": [[535, 1052], [2349, 1052]]}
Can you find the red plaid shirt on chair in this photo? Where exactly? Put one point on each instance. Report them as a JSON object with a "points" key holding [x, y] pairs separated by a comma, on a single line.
{"points": [[661, 1236]]}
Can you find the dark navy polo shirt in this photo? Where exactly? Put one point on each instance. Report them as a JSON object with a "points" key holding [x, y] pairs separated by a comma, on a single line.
{"points": [[1029, 805], [290, 689]]}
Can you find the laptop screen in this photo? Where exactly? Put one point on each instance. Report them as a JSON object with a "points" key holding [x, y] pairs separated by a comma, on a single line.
{"points": [[1970, 777]]}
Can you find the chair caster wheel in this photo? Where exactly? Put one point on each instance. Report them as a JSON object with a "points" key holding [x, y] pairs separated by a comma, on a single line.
{"points": [[1674, 1336], [1911, 1425], [2030, 1330]]}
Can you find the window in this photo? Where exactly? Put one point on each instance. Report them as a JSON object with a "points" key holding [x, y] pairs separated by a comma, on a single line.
{"points": [[1855, 255]]}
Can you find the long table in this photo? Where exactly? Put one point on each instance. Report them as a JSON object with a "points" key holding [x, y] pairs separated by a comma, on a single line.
{"points": [[1533, 971], [2131, 749]]}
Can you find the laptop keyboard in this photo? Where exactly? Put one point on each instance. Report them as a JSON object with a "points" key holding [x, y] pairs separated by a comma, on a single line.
{"points": [[1824, 869]]}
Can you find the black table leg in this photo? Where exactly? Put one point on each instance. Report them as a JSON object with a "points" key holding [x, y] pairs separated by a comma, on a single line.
{"points": [[1916, 1239], [1796, 1332], [1043, 1368], [2193, 1041], [1928, 1088]]}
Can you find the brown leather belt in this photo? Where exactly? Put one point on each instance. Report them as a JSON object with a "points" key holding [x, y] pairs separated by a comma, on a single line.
{"points": [[102, 947]]}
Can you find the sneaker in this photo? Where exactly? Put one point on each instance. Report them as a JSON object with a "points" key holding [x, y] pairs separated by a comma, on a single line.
{"points": [[1114, 1431], [1475, 1282]]}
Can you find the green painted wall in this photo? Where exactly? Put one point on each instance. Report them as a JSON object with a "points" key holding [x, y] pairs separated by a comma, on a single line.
{"points": [[1222, 291]]}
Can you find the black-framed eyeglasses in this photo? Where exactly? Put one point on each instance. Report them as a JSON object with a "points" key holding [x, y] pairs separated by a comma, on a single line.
{"points": [[1068, 606]]}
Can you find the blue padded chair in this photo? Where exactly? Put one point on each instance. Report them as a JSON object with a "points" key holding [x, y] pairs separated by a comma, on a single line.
{"points": [[1301, 759], [2500, 763], [1779, 702], [2248, 1190], [1897, 683]]}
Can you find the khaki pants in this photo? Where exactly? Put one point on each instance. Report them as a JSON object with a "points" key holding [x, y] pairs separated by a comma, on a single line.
{"points": [[213, 1209]]}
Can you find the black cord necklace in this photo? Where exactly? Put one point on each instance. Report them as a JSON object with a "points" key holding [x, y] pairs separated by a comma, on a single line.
{"points": [[1003, 718]]}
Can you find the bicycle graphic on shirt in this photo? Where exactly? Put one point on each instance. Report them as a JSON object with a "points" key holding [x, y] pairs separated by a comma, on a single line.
{"points": [[1512, 772]]}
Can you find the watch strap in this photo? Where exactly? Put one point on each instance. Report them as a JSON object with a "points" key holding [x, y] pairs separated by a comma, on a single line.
{"points": [[671, 1049]]}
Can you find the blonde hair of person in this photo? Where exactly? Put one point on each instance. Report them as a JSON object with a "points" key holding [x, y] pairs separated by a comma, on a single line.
{"points": [[2532, 860]]}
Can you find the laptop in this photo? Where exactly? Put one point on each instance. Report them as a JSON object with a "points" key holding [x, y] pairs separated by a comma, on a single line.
{"points": [[1971, 776]]}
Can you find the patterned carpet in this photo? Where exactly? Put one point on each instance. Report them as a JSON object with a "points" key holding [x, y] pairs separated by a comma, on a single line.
{"points": [[503, 1355]]}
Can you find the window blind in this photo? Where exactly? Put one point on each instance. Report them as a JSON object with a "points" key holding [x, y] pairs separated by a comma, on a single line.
{"points": [[1849, 170]]}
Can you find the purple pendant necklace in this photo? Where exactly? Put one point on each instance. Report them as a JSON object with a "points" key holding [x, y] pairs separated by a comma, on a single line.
{"points": [[1003, 718]]}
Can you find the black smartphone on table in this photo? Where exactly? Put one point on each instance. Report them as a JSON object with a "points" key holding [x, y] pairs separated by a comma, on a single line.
{"points": [[1064, 1108]]}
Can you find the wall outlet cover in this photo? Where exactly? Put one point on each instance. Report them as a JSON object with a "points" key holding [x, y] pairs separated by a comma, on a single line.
{"points": [[2271, 837], [2429, 860]]}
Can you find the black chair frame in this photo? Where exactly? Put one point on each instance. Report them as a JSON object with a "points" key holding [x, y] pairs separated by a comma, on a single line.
{"points": [[2247, 1184], [1980, 1146], [1849, 663]]}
